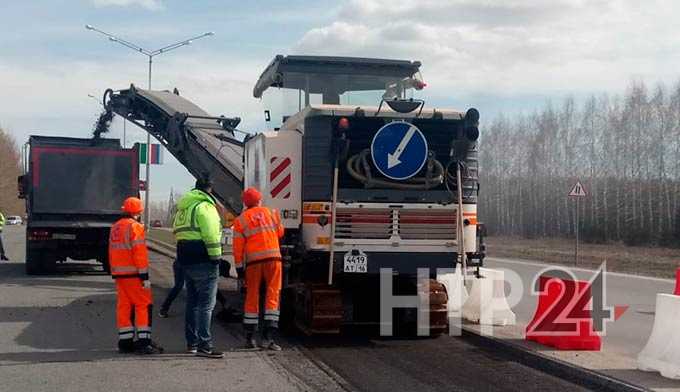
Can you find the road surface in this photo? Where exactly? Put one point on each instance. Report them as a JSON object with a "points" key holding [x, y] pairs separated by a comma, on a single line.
{"points": [[58, 333]]}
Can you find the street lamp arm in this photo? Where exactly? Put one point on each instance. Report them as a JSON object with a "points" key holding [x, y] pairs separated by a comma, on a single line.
{"points": [[170, 47], [131, 46], [179, 44], [121, 41]]}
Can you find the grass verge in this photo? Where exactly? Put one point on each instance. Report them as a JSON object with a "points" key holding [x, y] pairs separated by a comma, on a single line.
{"points": [[649, 261]]}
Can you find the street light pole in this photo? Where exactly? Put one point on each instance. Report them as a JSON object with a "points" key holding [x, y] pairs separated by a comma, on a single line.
{"points": [[150, 54], [147, 213]]}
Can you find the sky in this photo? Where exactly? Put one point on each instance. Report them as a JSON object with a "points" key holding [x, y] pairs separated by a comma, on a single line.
{"points": [[500, 56]]}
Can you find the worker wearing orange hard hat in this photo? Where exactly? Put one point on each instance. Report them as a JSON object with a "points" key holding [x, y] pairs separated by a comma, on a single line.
{"points": [[129, 263], [258, 257]]}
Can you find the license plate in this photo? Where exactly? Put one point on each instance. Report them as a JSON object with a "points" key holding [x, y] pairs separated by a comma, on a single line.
{"points": [[61, 236], [356, 261]]}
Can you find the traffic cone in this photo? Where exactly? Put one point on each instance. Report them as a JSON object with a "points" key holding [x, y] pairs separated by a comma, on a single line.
{"points": [[562, 319], [677, 282]]}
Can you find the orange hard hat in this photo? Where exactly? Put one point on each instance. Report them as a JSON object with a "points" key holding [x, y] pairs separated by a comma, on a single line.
{"points": [[251, 197], [133, 206]]}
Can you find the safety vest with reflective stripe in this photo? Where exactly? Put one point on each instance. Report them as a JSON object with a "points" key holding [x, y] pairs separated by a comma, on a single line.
{"points": [[197, 219], [2, 221], [256, 235], [128, 255]]}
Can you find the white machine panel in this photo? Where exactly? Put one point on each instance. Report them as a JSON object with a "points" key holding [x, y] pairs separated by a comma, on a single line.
{"points": [[273, 165]]}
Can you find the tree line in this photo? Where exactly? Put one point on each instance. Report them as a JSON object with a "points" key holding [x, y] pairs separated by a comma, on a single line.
{"points": [[10, 169], [625, 150]]}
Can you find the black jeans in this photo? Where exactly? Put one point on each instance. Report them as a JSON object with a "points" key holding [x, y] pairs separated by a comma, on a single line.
{"points": [[176, 289]]}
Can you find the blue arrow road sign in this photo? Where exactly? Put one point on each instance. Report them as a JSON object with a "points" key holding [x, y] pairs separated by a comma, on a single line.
{"points": [[399, 150]]}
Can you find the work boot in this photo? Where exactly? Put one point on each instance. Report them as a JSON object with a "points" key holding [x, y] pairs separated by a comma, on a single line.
{"points": [[209, 353], [4, 258], [157, 346], [250, 340], [163, 313], [149, 348], [270, 345], [126, 346], [268, 342]]}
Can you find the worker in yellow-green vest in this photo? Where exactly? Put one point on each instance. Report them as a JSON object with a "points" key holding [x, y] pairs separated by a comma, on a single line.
{"points": [[2, 247], [198, 231]]}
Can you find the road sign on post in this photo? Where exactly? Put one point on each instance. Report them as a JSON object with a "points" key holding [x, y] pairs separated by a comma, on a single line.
{"points": [[577, 192]]}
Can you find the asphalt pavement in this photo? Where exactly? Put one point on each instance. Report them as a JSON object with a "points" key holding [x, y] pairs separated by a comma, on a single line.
{"points": [[58, 333]]}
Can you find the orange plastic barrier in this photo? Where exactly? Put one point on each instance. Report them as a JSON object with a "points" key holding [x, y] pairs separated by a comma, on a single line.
{"points": [[677, 282], [563, 319]]}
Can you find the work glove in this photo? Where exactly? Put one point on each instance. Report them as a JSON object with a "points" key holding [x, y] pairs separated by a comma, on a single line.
{"points": [[145, 280], [225, 267]]}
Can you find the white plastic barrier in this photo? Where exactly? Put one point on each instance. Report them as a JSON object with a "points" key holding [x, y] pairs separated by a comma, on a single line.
{"points": [[455, 288], [487, 304], [662, 352]]}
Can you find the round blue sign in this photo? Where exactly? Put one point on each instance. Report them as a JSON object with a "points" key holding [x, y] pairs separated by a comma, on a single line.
{"points": [[399, 150]]}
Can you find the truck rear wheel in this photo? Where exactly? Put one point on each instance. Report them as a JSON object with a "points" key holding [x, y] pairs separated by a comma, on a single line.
{"points": [[32, 267], [33, 262], [38, 263]]}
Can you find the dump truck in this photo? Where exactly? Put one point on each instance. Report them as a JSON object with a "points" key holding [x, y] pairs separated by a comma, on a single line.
{"points": [[73, 189], [365, 177]]}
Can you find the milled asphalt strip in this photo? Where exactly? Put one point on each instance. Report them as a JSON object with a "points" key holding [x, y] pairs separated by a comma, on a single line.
{"points": [[578, 375], [344, 384]]}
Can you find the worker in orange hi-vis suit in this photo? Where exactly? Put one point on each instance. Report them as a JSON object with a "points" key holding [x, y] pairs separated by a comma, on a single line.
{"points": [[129, 262], [256, 253]]}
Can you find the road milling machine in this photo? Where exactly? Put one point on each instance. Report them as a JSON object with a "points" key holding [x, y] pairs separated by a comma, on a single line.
{"points": [[365, 176]]}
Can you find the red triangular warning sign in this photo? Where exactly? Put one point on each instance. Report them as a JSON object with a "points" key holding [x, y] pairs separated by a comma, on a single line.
{"points": [[578, 190]]}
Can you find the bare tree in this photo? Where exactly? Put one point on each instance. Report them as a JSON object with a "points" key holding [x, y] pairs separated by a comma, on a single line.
{"points": [[10, 169], [625, 150]]}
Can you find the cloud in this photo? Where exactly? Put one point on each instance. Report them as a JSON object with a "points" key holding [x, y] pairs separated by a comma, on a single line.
{"points": [[148, 4], [510, 47], [63, 86], [52, 98]]}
